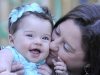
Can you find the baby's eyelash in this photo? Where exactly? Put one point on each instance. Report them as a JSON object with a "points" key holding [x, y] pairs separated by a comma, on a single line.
{"points": [[29, 35], [45, 38]]}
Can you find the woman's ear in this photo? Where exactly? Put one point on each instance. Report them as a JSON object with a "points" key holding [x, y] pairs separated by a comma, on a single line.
{"points": [[11, 39]]}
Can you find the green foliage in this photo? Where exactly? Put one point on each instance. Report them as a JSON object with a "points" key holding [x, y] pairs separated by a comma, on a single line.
{"points": [[3, 33]]}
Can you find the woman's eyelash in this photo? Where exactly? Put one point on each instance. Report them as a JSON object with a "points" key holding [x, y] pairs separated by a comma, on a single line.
{"points": [[68, 48]]}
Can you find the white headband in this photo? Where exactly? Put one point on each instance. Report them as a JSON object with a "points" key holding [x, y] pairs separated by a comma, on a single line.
{"points": [[15, 13]]}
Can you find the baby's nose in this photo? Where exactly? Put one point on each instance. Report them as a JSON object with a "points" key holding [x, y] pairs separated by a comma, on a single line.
{"points": [[37, 41]]}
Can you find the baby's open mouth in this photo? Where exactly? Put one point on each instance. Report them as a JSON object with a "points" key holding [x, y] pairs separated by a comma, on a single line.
{"points": [[35, 51]]}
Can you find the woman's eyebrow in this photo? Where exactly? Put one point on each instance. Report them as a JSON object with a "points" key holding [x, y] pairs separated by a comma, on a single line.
{"points": [[57, 30]]}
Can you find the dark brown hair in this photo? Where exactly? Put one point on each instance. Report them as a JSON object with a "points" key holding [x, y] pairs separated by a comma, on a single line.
{"points": [[86, 17], [45, 15]]}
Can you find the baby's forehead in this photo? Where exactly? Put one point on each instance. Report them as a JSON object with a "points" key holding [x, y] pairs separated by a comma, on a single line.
{"points": [[35, 26], [33, 20]]}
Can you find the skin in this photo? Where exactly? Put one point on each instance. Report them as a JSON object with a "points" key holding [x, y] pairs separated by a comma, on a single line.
{"points": [[66, 50], [31, 41], [66, 45], [33, 38]]}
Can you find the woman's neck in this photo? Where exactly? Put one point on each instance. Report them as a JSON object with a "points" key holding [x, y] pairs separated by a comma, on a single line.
{"points": [[75, 72]]}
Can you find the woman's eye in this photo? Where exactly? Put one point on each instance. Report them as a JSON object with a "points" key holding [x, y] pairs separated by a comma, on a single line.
{"points": [[66, 47], [45, 38]]}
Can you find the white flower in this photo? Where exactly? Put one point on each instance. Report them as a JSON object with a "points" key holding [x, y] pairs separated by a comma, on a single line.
{"points": [[17, 13]]}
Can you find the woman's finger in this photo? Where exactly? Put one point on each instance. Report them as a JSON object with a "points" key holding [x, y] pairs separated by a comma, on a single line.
{"points": [[16, 67], [2, 70], [44, 70], [59, 59]]}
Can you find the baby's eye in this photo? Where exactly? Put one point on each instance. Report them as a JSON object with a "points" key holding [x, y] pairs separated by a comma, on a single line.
{"points": [[45, 38], [29, 35]]}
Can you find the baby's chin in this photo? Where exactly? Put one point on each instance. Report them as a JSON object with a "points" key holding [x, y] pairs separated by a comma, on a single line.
{"points": [[36, 58]]}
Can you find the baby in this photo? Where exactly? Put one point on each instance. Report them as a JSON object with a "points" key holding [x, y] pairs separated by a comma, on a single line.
{"points": [[30, 28]]}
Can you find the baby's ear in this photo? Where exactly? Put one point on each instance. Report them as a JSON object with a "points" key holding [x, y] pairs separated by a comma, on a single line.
{"points": [[11, 39]]}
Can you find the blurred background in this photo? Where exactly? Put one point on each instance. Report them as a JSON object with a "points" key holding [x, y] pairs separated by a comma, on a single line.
{"points": [[58, 8]]}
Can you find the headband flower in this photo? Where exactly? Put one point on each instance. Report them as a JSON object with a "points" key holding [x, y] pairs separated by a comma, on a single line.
{"points": [[17, 13]]}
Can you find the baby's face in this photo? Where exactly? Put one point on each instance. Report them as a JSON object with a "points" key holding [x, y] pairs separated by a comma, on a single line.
{"points": [[32, 38]]}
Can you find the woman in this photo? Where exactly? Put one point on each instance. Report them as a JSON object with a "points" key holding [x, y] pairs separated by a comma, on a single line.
{"points": [[76, 40]]}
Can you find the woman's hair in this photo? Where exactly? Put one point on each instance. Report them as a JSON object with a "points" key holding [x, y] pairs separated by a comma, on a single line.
{"points": [[87, 17], [24, 11]]}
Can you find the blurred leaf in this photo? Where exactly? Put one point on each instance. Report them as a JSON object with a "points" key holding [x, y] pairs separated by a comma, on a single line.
{"points": [[3, 33]]}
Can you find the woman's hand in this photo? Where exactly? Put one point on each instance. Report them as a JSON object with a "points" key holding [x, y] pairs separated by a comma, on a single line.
{"points": [[5, 72], [44, 70], [60, 67], [17, 68]]}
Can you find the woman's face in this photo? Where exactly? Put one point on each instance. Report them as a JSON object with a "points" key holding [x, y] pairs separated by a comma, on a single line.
{"points": [[66, 44]]}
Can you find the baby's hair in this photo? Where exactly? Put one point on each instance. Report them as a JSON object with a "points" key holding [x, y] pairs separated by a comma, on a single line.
{"points": [[20, 12]]}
